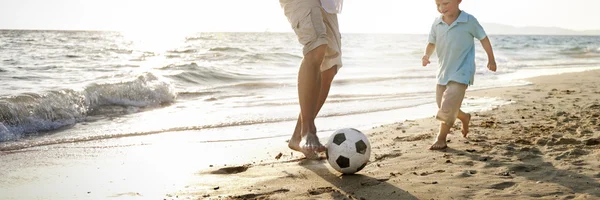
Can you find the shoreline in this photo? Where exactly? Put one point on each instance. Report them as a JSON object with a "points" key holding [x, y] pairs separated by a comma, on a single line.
{"points": [[543, 145], [529, 149]]}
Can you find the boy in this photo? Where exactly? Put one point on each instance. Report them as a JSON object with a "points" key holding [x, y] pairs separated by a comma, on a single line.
{"points": [[453, 34]]}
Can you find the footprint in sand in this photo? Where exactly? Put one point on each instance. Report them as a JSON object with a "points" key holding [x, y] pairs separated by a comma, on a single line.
{"points": [[264, 195], [503, 185], [413, 138], [373, 182], [231, 170], [592, 141], [522, 168], [379, 157], [336, 194], [574, 153]]}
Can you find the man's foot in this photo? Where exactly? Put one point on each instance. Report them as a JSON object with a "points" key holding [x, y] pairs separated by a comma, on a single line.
{"points": [[438, 145], [465, 125], [311, 143], [294, 144], [309, 149]]}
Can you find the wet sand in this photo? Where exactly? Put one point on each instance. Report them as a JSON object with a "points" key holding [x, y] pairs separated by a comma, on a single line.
{"points": [[545, 145]]}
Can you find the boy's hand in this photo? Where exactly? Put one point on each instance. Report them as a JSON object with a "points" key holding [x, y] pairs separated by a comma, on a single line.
{"points": [[492, 66], [425, 60]]}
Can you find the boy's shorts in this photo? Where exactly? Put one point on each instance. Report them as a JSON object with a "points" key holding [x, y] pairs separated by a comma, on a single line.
{"points": [[449, 99], [314, 27]]}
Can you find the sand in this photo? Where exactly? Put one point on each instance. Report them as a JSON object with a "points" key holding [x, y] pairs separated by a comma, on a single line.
{"points": [[544, 145]]}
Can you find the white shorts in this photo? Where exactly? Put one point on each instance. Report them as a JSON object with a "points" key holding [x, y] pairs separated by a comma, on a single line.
{"points": [[449, 99], [315, 27]]}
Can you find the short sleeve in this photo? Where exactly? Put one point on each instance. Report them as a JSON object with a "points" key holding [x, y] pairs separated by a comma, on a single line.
{"points": [[476, 29], [432, 35]]}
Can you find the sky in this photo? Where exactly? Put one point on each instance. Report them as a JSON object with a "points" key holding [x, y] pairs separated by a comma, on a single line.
{"points": [[366, 16]]}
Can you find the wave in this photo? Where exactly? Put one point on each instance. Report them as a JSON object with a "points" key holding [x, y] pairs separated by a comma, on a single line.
{"points": [[255, 85], [15, 146], [193, 73], [340, 98], [227, 49], [379, 79], [31, 113], [198, 38], [72, 56], [183, 51], [581, 51], [187, 94], [258, 57], [118, 50]]}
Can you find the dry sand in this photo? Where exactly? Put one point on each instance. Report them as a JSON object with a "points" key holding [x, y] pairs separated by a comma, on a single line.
{"points": [[545, 145]]}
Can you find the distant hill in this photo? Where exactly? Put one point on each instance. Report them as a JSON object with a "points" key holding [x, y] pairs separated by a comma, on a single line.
{"points": [[501, 29]]}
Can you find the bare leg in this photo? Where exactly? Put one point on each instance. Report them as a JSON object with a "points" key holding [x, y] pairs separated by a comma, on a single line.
{"points": [[449, 99], [440, 142], [465, 118], [309, 87], [326, 80]]}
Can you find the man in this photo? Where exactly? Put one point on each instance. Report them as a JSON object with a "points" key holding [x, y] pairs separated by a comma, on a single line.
{"points": [[316, 26]]}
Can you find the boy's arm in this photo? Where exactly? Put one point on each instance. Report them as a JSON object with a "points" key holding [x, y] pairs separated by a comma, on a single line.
{"points": [[487, 46], [428, 52]]}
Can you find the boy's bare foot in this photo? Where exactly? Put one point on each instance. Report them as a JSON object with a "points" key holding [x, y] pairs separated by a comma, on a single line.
{"points": [[465, 124], [440, 140], [438, 145]]}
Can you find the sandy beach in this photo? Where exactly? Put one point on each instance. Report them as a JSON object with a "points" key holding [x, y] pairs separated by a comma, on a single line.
{"points": [[545, 145]]}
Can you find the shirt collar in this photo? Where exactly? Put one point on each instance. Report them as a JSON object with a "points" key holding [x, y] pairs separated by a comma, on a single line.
{"points": [[462, 17]]}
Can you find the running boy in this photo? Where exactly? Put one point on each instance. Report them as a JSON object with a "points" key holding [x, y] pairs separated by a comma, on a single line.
{"points": [[452, 33]]}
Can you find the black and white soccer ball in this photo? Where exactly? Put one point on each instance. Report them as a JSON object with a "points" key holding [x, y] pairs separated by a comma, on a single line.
{"points": [[348, 150]]}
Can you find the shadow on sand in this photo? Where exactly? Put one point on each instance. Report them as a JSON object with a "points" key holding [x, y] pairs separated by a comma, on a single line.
{"points": [[534, 168], [354, 186]]}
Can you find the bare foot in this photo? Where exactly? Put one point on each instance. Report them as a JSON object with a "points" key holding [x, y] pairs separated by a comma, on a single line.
{"points": [[311, 143], [438, 145], [310, 148], [465, 125], [294, 144]]}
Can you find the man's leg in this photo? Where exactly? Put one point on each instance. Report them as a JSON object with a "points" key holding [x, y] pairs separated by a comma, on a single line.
{"points": [[309, 87], [326, 80], [326, 59]]}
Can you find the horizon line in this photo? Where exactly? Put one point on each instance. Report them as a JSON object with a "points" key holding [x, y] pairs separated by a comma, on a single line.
{"points": [[291, 32]]}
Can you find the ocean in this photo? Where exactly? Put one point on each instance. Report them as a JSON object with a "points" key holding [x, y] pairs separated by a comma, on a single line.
{"points": [[64, 87]]}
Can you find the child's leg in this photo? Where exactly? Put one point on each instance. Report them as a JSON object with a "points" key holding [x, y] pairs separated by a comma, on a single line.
{"points": [[465, 118], [449, 98], [450, 102]]}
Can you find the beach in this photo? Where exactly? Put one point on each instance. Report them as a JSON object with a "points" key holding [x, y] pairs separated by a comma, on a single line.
{"points": [[107, 115], [172, 100], [545, 144]]}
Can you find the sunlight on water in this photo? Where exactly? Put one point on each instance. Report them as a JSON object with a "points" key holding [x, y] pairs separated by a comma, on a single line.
{"points": [[156, 40]]}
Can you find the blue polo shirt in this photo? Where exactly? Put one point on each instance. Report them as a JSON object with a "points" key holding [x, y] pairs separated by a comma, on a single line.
{"points": [[455, 48]]}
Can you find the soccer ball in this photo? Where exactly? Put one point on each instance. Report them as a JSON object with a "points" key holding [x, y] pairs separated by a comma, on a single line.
{"points": [[348, 150]]}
